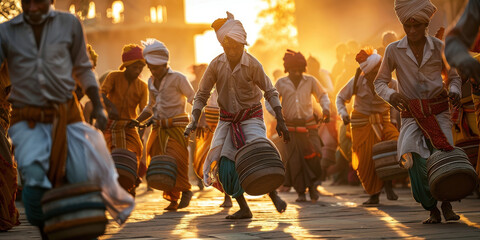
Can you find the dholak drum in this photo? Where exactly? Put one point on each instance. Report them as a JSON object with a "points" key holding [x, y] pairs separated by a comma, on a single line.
{"points": [[384, 155], [74, 211], [162, 172], [259, 166], [451, 176], [470, 146], [126, 164]]}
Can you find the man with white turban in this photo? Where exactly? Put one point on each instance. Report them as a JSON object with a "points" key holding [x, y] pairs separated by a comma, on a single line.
{"points": [[168, 93], [417, 59], [239, 79], [370, 123]]}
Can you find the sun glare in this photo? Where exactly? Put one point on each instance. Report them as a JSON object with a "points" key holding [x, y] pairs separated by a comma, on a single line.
{"points": [[207, 45]]}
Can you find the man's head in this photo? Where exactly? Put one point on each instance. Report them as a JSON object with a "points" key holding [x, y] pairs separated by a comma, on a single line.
{"points": [[132, 61], [158, 71], [232, 36], [157, 56], [415, 16], [369, 62], [36, 11], [295, 64], [415, 30], [389, 37], [233, 49]]}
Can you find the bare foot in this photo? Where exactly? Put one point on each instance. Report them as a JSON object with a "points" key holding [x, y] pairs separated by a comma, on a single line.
{"points": [[227, 202], [314, 194], [389, 191], [185, 201], [391, 195], [434, 218], [280, 205], [448, 212], [372, 200], [301, 198], [172, 207], [241, 214]]}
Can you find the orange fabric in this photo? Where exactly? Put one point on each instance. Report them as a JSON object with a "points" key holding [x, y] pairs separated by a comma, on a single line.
{"points": [[476, 102], [363, 139], [124, 95], [8, 189], [60, 116], [118, 135], [179, 151]]}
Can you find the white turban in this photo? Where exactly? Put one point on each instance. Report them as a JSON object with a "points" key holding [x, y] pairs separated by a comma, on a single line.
{"points": [[233, 29], [420, 10], [371, 62], [155, 52]]}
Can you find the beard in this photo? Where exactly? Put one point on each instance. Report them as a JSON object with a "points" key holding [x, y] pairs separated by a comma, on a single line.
{"points": [[37, 18]]}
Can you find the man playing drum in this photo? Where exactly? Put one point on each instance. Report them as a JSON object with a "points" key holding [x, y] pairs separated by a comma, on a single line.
{"points": [[370, 123], [238, 78], [417, 58], [169, 91], [123, 92], [45, 50]]}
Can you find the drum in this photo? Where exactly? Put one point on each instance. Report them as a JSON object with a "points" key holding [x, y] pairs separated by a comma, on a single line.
{"points": [[162, 172], [259, 166], [451, 176], [126, 164], [74, 211], [384, 155], [470, 146]]}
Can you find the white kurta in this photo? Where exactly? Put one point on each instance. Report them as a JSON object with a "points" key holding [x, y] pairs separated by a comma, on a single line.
{"points": [[87, 153], [416, 81]]}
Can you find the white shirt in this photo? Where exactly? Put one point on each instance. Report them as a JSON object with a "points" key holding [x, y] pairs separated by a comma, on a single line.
{"points": [[45, 74], [170, 98]]}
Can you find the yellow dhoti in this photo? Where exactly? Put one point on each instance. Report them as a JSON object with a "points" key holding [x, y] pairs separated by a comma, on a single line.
{"points": [[367, 131]]}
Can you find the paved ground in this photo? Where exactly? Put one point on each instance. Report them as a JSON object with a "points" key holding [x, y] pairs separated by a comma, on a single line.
{"points": [[337, 214]]}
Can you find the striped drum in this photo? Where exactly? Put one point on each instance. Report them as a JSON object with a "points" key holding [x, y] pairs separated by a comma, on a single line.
{"points": [[384, 155], [259, 166], [162, 172], [450, 175], [126, 164], [470, 146], [74, 211]]}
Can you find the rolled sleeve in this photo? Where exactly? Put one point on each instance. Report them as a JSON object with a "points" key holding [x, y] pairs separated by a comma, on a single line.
{"points": [[455, 81], [204, 88], [151, 103], [265, 84], [186, 89], [320, 95], [344, 95], [82, 67], [385, 76]]}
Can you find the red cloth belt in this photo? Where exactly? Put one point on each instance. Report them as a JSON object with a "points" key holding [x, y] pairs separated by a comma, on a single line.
{"points": [[424, 111], [303, 126], [238, 137]]}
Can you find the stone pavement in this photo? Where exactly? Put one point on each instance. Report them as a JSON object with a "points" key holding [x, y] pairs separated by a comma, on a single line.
{"points": [[337, 214]]}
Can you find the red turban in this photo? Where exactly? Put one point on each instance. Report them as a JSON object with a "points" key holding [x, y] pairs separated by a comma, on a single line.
{"points": [[131, 54], [294, 59]]}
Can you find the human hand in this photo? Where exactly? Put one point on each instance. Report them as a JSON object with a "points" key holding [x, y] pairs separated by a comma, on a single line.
{"points": [[399, 102], [326, 116], [454, 99], [346, 120], [282, 131], [100, 115]]}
